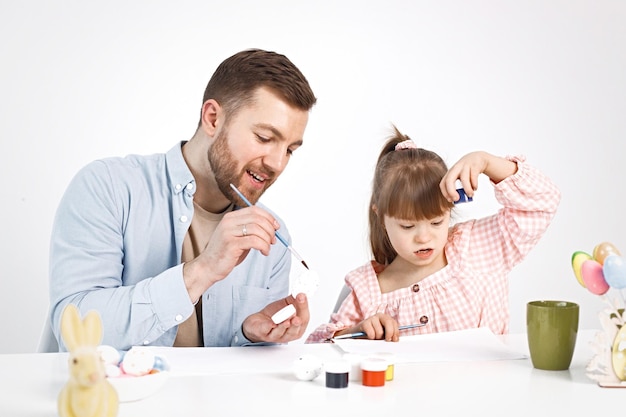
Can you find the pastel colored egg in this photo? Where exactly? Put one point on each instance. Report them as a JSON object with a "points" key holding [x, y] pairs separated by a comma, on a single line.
{"points": [[577, 260], [160, 364], [614, 271], [593, 277], [604, 249], [618, 354]]}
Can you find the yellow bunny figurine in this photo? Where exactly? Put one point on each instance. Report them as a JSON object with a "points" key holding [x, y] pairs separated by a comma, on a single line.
{"points": [[88, 393]]}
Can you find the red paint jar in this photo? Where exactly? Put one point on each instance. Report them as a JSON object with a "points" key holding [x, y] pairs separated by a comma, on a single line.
{"points": [[389, 357], [373, 372]]}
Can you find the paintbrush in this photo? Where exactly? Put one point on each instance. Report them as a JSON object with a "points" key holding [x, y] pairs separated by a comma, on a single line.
{"points": [[361, 334], [278, 236]]}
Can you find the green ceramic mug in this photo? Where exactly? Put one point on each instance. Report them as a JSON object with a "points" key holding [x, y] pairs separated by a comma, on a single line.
{"points": [[552, 327]]}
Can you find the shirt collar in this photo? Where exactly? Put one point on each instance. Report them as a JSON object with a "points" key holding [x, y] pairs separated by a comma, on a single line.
{"points": [[178, 172]]}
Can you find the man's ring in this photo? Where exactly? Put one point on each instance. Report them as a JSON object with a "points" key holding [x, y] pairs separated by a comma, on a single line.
{"points": [[244, 230]]}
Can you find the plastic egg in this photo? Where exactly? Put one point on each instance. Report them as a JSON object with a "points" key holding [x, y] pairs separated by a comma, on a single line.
{"points": [[307, 367], [593, 277], [604, 249], [614, 270], [577, 260]]}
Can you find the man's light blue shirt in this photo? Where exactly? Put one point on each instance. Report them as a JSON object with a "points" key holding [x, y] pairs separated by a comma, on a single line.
{"points": [[116, 248]]}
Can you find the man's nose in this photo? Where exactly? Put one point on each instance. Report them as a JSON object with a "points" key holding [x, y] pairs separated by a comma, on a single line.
{"points": [[276, 160]]}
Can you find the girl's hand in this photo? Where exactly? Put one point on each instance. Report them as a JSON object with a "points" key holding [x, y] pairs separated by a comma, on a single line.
{"points": [[377, 327], [469, 167]]}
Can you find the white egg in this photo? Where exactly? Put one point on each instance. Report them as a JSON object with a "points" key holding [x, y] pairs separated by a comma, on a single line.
{"points": [[112, 371], [307, 367], [109, 354], [307, 283]]}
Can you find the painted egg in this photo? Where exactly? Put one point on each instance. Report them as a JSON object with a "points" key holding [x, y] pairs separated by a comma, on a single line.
{"points": [[604, 249], [593, 277], [577, 260], [614, 270], [618, 354], [138, 361]]}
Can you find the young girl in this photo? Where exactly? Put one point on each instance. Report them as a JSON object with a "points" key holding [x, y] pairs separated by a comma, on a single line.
{"points": [[424, 271]]}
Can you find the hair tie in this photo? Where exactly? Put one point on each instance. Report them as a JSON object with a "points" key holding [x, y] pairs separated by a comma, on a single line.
{"points": [[407, 144]]}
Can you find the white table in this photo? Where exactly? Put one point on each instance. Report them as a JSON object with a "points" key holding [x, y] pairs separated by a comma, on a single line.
{"points": [[29, 385]]}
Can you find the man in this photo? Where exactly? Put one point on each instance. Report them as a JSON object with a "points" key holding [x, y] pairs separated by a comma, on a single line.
{"points": [[164, 249]]}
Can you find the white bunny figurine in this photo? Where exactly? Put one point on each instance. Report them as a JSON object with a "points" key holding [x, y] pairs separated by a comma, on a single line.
{"points": [[87, 393]]}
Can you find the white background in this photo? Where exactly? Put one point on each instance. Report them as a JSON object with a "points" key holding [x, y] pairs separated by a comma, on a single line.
{"points": [[544, 78]]}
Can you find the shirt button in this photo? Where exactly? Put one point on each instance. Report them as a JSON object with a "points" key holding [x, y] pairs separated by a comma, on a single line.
{"points": [[236, 339], [424, 319], [415, 288], [178, 187], [183, 219], [145, 342], [189, 186], [178, 317]]}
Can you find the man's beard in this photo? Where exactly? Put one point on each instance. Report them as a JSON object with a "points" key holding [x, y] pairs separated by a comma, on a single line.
{"points": [[224, 167]]}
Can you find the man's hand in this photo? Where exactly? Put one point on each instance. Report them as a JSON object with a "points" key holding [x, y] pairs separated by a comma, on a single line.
{"points": [[259, 327], [237, 233]]}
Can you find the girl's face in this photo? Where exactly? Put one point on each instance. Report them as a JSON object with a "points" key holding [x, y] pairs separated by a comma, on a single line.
{"points": [[420, 242]]}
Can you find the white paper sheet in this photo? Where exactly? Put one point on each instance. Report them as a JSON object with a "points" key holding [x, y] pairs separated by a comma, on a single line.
{"points": [[240, 360], [464, 345]]}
